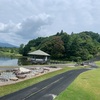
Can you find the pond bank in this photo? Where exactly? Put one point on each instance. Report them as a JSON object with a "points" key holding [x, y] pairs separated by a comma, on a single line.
{"points": [[2, 68], [35, 72], [46, 68]]}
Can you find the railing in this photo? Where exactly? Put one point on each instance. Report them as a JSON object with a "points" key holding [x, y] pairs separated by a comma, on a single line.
{"points": [[58, 62]]}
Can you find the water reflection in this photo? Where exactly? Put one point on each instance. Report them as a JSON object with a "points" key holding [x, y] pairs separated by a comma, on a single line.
{"points": [[4, 61], [23, 61], [9, 61]]}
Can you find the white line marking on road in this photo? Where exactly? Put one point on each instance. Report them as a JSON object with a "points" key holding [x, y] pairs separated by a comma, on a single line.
{"points": [[42, 88]]}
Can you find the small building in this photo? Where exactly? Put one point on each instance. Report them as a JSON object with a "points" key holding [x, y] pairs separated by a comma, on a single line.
{"points": [[39, 56]]}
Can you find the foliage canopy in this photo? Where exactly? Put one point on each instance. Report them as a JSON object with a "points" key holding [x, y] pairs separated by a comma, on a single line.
{"points": [[76, 46]]}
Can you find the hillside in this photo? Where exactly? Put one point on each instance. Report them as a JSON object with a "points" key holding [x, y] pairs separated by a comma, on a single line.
{"points": [[6, 45], [8, 50], [74, 47]]}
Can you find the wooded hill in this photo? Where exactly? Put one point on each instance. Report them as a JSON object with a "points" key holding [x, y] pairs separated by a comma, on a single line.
{"points": [[75, 46]]}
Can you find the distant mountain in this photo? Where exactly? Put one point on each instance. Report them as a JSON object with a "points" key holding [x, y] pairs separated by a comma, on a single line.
{"points": [[7, 45]]}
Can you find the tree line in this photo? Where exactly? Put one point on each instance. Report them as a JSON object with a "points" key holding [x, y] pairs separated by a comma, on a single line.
{"points": [[75, 46], [7, 51]]}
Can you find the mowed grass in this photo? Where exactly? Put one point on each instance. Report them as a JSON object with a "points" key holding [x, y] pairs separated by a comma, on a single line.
{"points": [[15, 87], [97, 63], [85, 87]]}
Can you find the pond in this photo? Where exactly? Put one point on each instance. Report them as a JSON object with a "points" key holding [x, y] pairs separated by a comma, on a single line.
{"points": [[10, 61]]}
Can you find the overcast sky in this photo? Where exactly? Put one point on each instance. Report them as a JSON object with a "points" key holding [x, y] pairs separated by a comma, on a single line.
{"points": [[23, 20]]}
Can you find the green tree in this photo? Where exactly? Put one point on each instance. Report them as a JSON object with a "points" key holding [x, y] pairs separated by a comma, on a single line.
{"points": [[54, 46], [21, 49], [75, 46]]}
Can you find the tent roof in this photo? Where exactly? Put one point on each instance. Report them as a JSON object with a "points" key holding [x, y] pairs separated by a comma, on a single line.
{"points": [[39, 53]]}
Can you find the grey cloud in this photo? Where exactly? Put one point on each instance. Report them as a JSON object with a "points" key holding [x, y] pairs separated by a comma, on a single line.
{"points": [[47, 17], [30, 27], [9, 27], [11, 38]]}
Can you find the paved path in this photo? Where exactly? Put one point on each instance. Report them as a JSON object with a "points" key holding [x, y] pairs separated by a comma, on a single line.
{"points": [[46, 90]]}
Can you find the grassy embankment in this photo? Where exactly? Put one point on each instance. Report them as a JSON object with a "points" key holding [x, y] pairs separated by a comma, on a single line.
{"points": [[15, 87], [9, 54], [97, 63], [85, 87]]}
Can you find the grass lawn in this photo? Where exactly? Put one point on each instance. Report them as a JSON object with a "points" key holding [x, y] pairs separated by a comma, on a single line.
{"points": [[97, 63], [85, 87], [9, 54], [15, 87]]}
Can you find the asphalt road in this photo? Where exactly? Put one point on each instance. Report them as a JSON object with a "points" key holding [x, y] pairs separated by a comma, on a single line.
{"points": [[47, 89]]}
